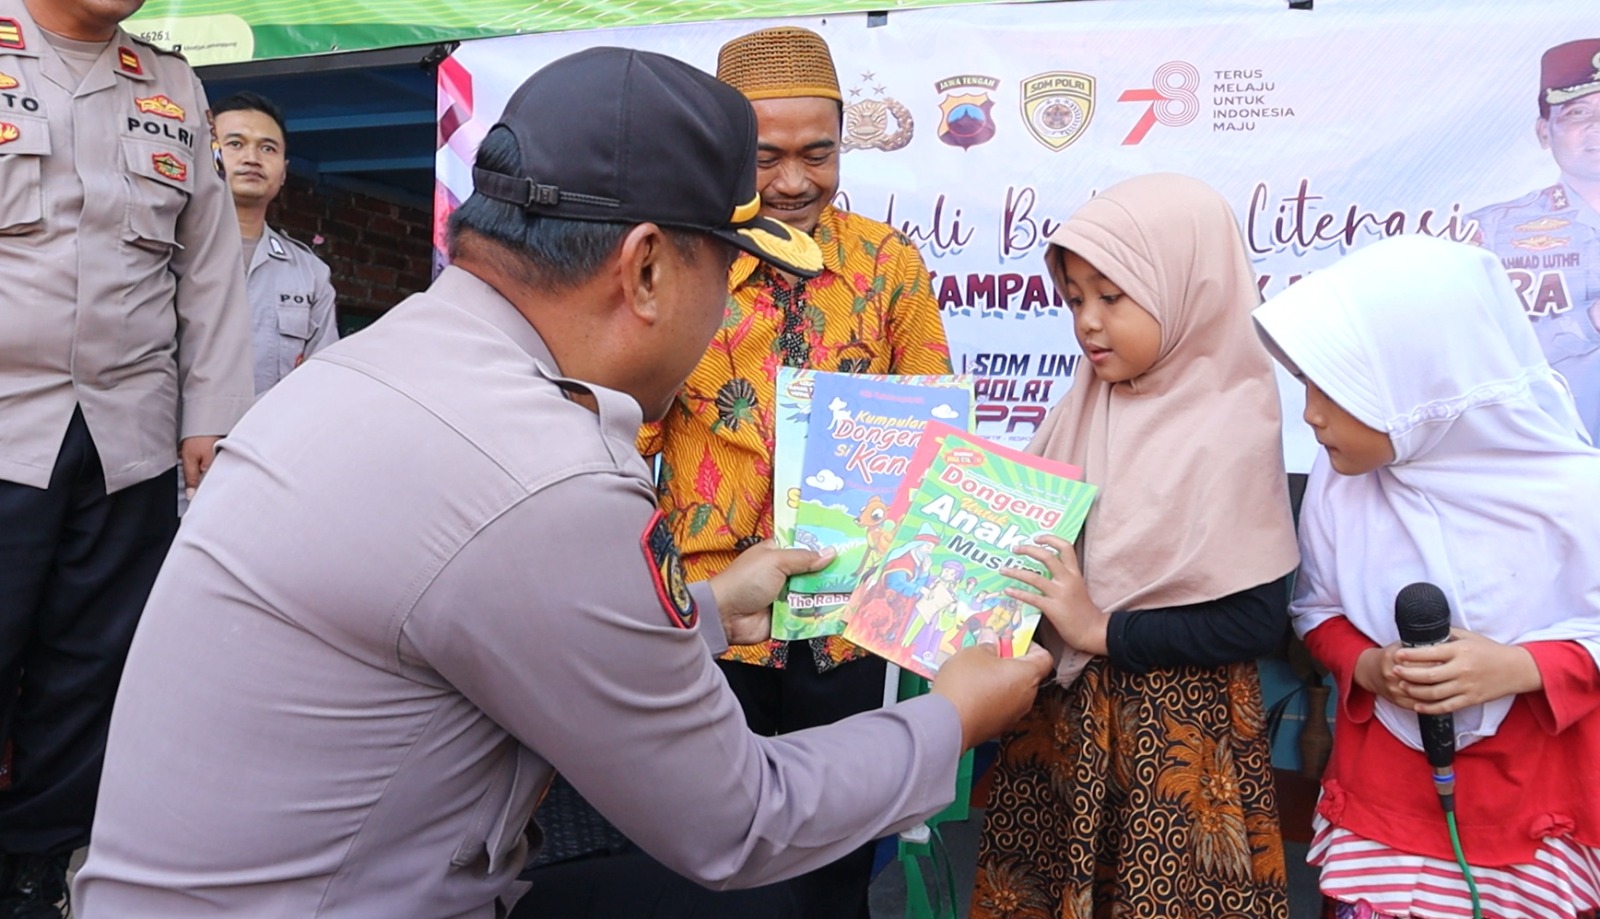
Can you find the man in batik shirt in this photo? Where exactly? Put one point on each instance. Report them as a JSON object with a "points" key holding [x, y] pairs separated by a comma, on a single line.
{"points": [[870, 311]]}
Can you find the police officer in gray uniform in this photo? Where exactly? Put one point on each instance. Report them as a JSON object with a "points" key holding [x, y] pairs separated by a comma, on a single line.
{"points": [[429, 571], [1549, 240], [124, 350], [291, 298]]}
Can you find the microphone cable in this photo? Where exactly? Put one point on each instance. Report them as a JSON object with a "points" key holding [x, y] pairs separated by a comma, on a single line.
{"points": [[1461, 859]]}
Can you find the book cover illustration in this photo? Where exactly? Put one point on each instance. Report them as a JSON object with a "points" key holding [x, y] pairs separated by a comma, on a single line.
{"points": [[813, 616], [859, 442], [939, 586]]}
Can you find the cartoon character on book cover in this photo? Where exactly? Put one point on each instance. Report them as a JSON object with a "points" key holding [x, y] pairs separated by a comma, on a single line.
{"points": [[859, 443], [813, 614], [940, 587]]}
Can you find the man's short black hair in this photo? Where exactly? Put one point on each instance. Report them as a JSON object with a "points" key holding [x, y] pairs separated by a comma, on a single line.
{"points": [[247, 101], [553, 252]]}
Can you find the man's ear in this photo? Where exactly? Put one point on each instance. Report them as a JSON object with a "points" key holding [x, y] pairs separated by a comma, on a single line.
{"points": [[641, 261], [1542, 128]]}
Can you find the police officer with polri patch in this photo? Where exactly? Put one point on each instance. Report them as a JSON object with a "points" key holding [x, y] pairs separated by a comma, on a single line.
{"points": [[1549, 240], [430, 571], [125, 348], [291, 297]]}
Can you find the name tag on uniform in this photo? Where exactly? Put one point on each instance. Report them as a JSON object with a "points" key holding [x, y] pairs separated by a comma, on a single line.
{"points": [[666, 571]]}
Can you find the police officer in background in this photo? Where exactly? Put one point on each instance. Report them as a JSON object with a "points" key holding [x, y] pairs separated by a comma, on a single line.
{"points": [[1549, 240], [429, 570], [291, 298], [124, 346]]}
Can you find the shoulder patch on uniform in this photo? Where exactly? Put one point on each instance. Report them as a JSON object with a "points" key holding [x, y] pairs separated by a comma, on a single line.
{"points": [[129, 61], [666, 572], [276, 248], [11, 35]]}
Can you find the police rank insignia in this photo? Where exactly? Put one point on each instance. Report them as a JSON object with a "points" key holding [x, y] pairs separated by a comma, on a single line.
{"points": [[666, 571], [160, 105], [1057, 106], [11, 35], [129, 62], [964, 119], [9, 132], [170, 166], [7, 81]]}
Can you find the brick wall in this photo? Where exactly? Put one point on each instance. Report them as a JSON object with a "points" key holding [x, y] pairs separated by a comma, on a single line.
{"points": [[379, 252]]}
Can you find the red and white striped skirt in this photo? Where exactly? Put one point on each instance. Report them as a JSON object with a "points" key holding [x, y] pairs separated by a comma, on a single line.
{"points": [[1562, 881]]}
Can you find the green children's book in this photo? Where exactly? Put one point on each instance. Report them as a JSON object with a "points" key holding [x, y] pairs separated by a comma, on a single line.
{"points": [[966, 503]]}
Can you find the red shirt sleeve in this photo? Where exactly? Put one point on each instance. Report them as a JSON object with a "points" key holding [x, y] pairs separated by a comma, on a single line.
{"points": [[1571, 684], [1338, 645]]}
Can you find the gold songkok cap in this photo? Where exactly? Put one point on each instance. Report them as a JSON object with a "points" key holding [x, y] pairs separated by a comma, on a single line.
{"points": [[782, 63]]}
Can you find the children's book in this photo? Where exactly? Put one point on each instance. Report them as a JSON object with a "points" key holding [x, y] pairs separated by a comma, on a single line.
{"points": [[835, 471], [938, 587]]}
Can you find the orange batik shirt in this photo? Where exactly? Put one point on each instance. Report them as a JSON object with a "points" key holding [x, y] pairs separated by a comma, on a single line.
{"points": [[871, 310]]}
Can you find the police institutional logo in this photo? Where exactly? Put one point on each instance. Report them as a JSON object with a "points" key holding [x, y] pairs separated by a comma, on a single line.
{"points": [[1057, 106], [964, 119]]}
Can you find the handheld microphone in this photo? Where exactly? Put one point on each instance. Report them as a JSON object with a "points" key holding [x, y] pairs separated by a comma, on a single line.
{"points": [[1422, 614]]}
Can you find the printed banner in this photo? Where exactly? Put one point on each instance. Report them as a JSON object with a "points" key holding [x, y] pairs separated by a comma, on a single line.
{"points": [[225, 31], [975, 129]]}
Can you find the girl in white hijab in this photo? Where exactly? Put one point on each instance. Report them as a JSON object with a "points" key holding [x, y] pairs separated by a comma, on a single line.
{"points": [[1454, 456]]}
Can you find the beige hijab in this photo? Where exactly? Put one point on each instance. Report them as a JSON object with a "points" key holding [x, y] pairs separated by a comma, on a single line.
{"points": [[1194, 501]]}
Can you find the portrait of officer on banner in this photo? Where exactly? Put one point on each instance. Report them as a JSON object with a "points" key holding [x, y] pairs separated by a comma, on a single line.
{"points": [[1549, 239]]}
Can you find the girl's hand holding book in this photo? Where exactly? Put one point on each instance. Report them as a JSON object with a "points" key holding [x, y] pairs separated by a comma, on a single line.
{"points": [[1063, 598]]}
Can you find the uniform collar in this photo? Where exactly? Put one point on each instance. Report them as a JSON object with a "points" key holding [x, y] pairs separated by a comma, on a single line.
{"points": [[274, 246], [620, 415], [830, 227]]}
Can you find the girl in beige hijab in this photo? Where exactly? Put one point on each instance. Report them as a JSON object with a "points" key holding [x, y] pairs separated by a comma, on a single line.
{"points": [[1140, 785]]}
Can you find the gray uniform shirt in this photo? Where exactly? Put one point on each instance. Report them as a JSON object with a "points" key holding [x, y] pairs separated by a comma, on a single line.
{"points": [[291, 306], [1549, 242], [120, 253], [419, 580]]}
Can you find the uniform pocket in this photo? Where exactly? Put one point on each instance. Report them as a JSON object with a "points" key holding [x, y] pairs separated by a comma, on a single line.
{"points": [[294, 321], [24, 143], [160, 177]]}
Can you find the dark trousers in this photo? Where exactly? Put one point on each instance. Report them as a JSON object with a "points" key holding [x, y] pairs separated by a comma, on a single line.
{"points": [[76, 566], [793, 699]]}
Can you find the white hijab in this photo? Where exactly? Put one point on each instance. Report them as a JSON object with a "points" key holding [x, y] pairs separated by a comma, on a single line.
{"points": [[1494, 494]]}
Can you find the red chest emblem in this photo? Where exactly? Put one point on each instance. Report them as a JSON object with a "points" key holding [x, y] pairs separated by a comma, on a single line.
{"points": [[170, 166], [9, 132]]}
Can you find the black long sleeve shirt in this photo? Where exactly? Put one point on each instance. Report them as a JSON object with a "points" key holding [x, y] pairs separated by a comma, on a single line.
{"points": [[1239, 627]]}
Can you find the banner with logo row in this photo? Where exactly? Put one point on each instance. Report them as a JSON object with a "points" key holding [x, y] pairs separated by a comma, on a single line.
{"points": [[974, 129]]}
